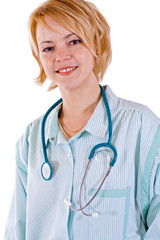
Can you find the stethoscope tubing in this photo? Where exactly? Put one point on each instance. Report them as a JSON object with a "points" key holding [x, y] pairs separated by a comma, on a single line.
{"points": [[46, 162], [108, 113], [107, 145], [43, 128]]}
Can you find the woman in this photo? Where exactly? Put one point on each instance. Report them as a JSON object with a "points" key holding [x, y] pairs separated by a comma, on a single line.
{"points": [[70, 40]]}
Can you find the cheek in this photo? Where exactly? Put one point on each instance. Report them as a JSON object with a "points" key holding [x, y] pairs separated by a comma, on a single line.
{"points": [[86, 57], [46, 63]]}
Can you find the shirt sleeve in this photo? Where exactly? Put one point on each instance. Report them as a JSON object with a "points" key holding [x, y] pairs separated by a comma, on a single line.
{"points": [[16, 223], [153, 215]]}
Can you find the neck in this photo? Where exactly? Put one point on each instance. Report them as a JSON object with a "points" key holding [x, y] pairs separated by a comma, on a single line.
{"points": [[81, 100], [78, 106]]}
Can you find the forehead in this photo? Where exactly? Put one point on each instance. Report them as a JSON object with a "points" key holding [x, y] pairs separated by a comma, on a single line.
{"points": [[50, 28]]}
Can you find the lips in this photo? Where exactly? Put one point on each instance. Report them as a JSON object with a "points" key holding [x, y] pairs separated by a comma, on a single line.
{"points": [[66, 69]]}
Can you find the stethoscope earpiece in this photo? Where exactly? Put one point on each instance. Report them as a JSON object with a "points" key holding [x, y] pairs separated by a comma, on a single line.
{"points": [[69, 204], [46, 169]]}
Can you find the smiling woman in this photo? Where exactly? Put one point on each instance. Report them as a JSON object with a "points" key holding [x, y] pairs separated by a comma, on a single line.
{"points": [[79, 18], [65, 59], [89, 168]]}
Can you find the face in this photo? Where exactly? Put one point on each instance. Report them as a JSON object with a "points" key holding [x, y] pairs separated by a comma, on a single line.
{"points": [[65, 60]]}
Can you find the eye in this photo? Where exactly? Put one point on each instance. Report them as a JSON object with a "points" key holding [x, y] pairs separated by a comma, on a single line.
{"points": [[48, 49], [75, 42]]}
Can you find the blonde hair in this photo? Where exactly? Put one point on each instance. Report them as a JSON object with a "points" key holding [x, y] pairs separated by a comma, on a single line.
{"points": [[84, 19]]}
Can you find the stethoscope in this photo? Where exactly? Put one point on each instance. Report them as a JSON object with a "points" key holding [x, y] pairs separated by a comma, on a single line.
{"points": [[46, 168]]}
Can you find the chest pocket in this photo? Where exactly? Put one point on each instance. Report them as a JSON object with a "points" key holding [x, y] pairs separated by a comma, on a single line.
{"points": [[112, 207]]}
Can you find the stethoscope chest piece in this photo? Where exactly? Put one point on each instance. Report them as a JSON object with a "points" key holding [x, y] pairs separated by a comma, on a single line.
{"points": [[46, 171]]}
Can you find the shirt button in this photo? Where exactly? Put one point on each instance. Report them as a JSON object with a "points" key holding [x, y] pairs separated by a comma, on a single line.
{"points": [[69, 155]]}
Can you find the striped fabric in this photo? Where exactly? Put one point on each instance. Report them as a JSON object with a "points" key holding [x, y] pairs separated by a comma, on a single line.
{"points": [[129, 200]]}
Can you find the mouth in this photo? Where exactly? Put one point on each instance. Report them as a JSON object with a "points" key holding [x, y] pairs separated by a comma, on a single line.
{"points": [[66, 69]]}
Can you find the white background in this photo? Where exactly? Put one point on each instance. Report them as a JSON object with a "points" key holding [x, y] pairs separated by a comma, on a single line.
{"points": [[134, 73]]}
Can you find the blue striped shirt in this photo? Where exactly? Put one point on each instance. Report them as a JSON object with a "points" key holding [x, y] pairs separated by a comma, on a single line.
{"points": [[129, 200]]}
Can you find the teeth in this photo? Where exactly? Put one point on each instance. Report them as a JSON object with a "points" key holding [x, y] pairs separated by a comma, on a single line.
{"points": [[67, 69]]}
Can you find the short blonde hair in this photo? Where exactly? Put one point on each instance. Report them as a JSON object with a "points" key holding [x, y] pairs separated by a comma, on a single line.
{"points": [[82, 18]]}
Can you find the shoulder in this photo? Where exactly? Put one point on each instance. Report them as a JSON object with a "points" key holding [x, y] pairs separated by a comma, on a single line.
{"points": [[26, 139], [142, 110], [133, 119], [139, 111], [32, 128], [32, 135]]}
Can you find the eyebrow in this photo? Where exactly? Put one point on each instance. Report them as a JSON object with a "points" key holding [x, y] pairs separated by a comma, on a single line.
{"points": [[67, 36]]}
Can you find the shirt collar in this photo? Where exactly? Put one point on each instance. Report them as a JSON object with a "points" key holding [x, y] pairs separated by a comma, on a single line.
{"points": [[97, 124], [51, 127]]}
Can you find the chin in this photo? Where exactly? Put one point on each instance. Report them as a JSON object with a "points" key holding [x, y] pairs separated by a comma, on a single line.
{"points": [[69, 84]]}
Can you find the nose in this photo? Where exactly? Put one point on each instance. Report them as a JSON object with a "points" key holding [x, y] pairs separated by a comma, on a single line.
{"points": [[62, 55]]}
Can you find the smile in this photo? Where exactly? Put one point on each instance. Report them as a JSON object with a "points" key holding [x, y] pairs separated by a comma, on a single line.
{"points": [[64, 70]]}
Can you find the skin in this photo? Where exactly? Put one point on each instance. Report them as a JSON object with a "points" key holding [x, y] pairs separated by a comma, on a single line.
{"points": [[60, 50]]}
